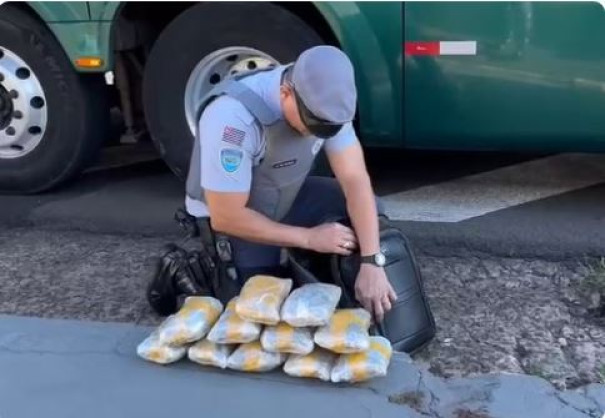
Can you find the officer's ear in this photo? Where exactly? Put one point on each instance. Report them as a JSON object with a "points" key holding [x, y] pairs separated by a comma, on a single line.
{"points": [[285, 91]]}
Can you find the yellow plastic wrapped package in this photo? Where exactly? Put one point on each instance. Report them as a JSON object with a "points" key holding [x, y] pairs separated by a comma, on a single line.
{"points": [[208, 353], [284, 338], [358, 367], [192, 322], [261, 299], [152, 349], [347, 331], [316, 365], [311, 305], [231, 329], [251, 357]]}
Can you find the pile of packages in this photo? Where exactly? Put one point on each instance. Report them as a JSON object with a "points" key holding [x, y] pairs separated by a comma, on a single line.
{"points": [[266, 327]]}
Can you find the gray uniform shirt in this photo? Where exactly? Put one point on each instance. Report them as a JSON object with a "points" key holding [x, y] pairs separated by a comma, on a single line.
{"points": [[226, 125]]}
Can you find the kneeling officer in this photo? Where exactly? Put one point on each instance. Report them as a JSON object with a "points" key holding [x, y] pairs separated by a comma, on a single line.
{"points": [[257, 139]]}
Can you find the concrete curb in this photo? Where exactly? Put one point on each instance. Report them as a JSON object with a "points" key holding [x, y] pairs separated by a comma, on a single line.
{"points": [[66, 368]]}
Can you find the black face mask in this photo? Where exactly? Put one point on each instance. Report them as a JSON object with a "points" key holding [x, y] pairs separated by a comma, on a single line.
{"points": [[318, 127]]}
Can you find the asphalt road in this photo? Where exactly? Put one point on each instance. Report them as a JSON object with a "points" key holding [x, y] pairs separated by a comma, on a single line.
{"points": [[87, 251], [130, 192]]}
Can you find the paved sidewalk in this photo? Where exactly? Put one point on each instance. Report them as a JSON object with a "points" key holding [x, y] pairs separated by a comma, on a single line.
{"points": [[64, 368]]}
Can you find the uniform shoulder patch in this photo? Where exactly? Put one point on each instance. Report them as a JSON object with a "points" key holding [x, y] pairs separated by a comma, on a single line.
{"points": [[233, 136], [231, 159]]}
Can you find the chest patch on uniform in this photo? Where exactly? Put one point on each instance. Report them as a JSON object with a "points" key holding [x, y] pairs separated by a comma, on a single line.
{"points": [[283, 164], [231, 159], [233, 136]]}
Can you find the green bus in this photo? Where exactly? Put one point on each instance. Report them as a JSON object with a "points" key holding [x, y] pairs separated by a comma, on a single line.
{"points": [[431, 75]]}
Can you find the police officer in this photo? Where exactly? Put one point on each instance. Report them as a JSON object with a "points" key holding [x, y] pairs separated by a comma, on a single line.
{"points": [[256, 142]]}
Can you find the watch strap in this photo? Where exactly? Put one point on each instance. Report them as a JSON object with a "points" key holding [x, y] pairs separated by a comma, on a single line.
{"points": [[369, 259]]}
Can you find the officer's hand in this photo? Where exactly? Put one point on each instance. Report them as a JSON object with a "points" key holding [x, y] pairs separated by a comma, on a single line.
{"points": [[332, 238], [374, 291]]}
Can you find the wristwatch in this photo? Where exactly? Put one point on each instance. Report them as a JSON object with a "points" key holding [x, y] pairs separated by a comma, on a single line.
{"points": [[378, 259]]}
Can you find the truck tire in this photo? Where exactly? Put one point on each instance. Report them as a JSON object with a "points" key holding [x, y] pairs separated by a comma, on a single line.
{"points": [[202, 45], [51, 118]]}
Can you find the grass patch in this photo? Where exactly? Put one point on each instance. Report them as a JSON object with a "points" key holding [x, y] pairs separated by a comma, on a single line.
{"points": [[413, 399], [535, 370], [467, 413], [595, 280]]}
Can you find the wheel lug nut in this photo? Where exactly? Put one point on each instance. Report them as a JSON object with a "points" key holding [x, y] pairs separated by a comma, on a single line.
{"points": [[14, 94], [17, 114], [10, 131], [37, 102], [23, 73], [215, 78]]}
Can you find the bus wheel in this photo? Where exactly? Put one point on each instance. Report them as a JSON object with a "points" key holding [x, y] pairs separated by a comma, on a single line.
{"points": [[202, 46], [52, 119]]}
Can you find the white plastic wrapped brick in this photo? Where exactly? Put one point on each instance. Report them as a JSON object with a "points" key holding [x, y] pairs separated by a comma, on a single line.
{"points": [[261, 299], [192, 322], [284, 338], [358, 367], [207, 353], [317, 364], [153, 350], [347, 331], [311, 305], [251, 357], [231, 329]]}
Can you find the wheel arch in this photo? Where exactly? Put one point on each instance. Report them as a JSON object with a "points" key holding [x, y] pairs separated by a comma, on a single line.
{"points": [[52, 12], [378, 79], [80, 37], [319, 16], [344, 25], [341, 24]]}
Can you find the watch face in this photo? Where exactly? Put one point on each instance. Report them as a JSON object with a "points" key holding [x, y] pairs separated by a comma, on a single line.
{"points": [[380, 259]]}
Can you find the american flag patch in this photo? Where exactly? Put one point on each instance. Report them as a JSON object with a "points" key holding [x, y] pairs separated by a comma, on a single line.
{"points": [[233, 136]]}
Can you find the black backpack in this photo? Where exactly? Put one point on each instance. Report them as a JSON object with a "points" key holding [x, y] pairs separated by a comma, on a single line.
{"points": [[409, 325]]}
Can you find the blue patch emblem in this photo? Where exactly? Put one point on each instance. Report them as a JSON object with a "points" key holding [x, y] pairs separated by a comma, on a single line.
{"points": [[231, 159]]}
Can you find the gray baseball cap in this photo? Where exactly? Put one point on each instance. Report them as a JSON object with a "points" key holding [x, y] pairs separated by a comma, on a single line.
{"points": [[324, 80]]}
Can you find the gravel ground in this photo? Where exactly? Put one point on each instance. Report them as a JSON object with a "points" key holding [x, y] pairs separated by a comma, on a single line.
{"points": [[501, 314], [513, 315]]}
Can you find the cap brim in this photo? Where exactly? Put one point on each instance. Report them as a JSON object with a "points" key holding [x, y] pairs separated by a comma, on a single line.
{"points": [[318, 127]]}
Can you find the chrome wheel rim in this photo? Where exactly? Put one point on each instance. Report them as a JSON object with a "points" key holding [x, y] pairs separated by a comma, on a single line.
{"points": [[217, 66], [23, 107]]}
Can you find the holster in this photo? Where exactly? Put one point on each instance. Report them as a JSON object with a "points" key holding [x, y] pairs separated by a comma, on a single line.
{"points": [[221, 271]]}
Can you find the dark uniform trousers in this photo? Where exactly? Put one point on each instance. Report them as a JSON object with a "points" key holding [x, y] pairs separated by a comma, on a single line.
{"points": [[319, 200]]}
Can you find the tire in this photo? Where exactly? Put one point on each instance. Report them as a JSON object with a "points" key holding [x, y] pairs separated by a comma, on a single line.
{"points": [[195, 34], [75, 106]]}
